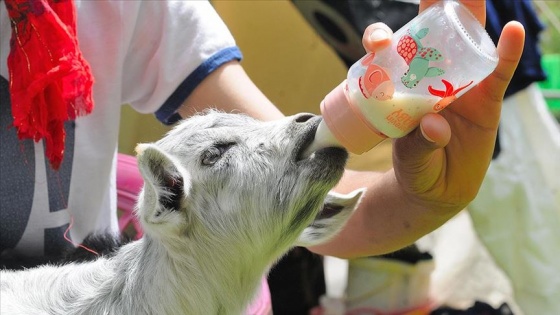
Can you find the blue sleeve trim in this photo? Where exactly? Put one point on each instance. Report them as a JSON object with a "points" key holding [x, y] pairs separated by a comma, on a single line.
{"points": [[167, 113]]}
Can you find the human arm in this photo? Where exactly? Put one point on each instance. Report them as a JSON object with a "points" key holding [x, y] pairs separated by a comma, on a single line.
{"points": [[431, 180], [396, 210], [230, 89]]}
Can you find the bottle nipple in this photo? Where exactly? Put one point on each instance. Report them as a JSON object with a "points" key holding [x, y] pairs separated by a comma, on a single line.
{"points": [[323, 139]]}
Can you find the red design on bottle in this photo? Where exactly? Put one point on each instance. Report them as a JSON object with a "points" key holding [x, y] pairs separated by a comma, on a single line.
{"points": [[447, 96]]}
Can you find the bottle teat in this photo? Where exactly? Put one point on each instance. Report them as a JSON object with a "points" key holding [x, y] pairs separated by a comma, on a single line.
{"points": [[323, 139]]}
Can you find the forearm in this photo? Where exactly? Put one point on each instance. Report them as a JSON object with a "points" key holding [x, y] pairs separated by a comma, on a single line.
{"points": [[230, 89], [385, 220]]}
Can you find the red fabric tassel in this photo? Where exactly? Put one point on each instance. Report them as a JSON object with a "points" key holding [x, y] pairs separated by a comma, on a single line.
{"points": [[50, 81]]}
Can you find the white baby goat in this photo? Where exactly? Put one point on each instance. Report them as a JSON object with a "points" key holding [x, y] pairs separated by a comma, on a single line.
{"points": [[224, 197]]}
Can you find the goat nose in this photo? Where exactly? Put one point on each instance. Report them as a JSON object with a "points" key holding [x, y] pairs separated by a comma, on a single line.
{"points": [[301, 118]]}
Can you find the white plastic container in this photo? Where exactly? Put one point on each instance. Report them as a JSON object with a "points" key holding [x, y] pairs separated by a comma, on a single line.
{"points": [[433, 60]]}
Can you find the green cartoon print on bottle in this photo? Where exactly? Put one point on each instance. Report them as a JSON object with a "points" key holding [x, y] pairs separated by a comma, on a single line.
{"points": [[418, 58]]}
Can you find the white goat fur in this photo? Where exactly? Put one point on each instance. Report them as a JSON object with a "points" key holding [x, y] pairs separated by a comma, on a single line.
{"points": [[224, 197]]}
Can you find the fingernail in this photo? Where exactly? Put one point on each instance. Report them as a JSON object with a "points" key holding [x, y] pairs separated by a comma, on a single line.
{"points": [[425, 136], [379, 34]]}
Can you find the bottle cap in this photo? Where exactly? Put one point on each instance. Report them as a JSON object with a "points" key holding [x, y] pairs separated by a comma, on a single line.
{"points": [[347, 123]]}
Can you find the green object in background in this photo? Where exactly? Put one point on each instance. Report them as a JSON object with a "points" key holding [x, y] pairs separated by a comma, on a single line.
{"points": [[551, 65]]}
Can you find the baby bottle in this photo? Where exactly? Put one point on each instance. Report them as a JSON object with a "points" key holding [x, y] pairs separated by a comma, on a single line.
{"points": [[433, 60]]}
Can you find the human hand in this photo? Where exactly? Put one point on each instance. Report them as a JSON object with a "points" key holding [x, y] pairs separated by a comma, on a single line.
{"points": [[441, 164]]}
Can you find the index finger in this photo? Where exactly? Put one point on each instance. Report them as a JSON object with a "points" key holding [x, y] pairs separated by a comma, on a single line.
{"points": [[477, 8]]}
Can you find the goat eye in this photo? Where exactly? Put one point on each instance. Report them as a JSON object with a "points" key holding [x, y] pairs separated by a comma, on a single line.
{"points": [[211, 156], [214, 153]]}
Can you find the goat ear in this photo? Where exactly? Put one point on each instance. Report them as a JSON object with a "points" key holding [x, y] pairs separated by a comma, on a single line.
{"points": [[164, 185], [337, 208]]}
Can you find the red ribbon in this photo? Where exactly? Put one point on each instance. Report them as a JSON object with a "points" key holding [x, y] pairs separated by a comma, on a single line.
{"points": [[50, 81]]}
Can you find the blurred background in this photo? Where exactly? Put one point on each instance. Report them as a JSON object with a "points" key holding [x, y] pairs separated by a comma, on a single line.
{"points": [[549, 13]]}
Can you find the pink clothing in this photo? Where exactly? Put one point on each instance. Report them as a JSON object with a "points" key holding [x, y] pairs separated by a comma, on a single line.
{"points": [[262, 305]]}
